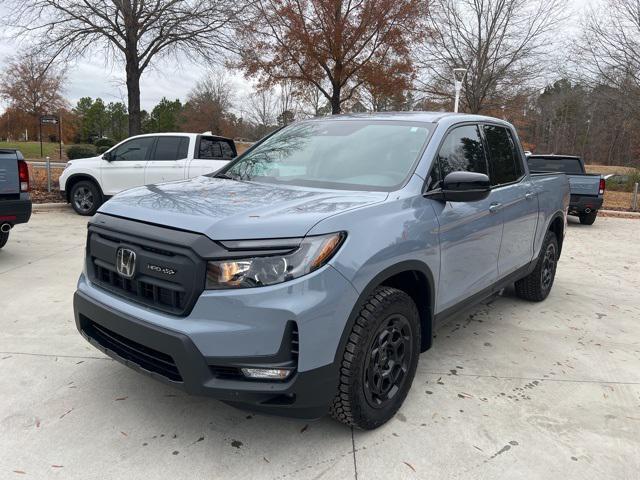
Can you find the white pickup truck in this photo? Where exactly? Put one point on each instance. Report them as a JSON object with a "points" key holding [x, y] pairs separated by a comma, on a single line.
{"points": [[141, 160]]}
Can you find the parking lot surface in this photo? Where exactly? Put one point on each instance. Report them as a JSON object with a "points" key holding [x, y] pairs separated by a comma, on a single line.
{"points": [[511, 389]]}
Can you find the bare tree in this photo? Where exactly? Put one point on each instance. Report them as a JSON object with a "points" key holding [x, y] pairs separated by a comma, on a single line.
{"points": [[262, 106], [208, 104], [133, 32], [33, 85], [502, 44], [609, 48]]}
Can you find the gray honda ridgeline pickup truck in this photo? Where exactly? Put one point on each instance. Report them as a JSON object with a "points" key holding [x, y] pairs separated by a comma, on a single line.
{"points": [[308, 274]]}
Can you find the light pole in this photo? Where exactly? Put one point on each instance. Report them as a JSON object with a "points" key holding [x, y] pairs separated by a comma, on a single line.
{"points": [[458, 78]]}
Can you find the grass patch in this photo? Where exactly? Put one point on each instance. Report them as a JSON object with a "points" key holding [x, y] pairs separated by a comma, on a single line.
{"points": [[31, 150]]}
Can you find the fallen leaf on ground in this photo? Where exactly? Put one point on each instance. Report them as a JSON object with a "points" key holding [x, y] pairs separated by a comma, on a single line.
{"points": [[410, 466]]}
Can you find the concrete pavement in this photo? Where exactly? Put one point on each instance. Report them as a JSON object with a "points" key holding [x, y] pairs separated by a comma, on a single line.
{"points": [[511, 389]]}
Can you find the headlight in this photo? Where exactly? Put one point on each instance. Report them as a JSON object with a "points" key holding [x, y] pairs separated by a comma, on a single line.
{"points": [[68, 165], [311, 254]]}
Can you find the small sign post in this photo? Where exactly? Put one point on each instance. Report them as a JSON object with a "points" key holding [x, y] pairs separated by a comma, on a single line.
{"points": [[51, 120]]}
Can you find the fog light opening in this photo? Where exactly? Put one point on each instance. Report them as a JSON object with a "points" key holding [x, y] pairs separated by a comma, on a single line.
{"points": [[267, 373]]}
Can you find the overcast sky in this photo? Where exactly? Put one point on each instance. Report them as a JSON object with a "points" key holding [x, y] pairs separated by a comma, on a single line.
{"points": [[90, 77]]}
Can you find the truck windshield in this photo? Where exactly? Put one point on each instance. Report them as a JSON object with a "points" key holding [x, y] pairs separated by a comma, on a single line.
{"points": [[565, 165], [337, 154]]}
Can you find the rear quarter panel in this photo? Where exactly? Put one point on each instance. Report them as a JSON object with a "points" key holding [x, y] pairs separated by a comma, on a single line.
{"points": [[553, 200]]}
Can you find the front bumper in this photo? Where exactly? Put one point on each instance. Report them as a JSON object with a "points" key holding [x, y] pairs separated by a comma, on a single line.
{"points": [[16, 211], [581, 203], [190, 352]]}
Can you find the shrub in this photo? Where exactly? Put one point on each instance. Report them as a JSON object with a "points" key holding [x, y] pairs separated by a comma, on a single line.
{"points": [[104, 142], [80, 151], [102, 149]]}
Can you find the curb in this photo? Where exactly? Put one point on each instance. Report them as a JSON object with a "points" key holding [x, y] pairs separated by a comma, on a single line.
{"points": [[619, 214], [48, 207]]}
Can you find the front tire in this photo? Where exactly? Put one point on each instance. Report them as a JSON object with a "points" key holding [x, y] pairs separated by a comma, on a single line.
{"points": [[4, 237], [85, 198], [379, 360], [588, 218], [537, 285]]}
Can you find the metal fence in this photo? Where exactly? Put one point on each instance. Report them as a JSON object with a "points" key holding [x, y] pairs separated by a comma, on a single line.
{"points": [[45, 174]]}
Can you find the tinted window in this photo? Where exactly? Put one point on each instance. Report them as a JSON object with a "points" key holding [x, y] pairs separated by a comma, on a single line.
{"points": [[565, 165], [504, 160], [461, 151], [171, 148], [211, 148], [132, 150]]}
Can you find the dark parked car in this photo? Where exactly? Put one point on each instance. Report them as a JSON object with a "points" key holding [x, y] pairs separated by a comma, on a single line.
{"points": [[587, 189], [15, 202]]}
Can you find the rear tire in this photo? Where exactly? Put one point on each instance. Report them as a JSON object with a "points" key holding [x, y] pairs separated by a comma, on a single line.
{"points": [[379, 360], [588, 218], [3, 238], [85, 197], [537, 285]]}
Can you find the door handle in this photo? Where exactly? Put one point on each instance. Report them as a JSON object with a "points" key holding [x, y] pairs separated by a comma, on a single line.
{"points": [[494, 207], [138, 166], [529, 195]]}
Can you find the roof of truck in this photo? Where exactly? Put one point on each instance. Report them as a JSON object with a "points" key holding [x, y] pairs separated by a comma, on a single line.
{"points": [[415, 116]]}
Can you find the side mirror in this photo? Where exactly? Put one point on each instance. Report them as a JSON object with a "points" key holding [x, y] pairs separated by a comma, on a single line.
{"points": [[106, 156], [465, 187]]}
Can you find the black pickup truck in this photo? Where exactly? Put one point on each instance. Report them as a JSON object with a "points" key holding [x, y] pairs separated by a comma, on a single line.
{"points": [[15, 202]]}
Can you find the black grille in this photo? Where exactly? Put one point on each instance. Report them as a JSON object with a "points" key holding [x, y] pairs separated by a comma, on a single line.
{"points": [[167, 277], [145, 357], [165, 298]]}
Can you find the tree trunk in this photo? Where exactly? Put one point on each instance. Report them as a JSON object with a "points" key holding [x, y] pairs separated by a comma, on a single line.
{"points": [[133, 96], [336, 108]]}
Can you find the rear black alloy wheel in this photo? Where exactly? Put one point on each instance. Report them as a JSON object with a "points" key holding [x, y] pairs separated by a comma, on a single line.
{"points": [[548, 270], [379, 360], [85, 198], [3, 238], [537, 285]]}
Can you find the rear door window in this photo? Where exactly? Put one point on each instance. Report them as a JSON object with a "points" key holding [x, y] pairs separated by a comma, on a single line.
{"points": [[215, 149], [506, 165], [462, 151], [171, 148]]}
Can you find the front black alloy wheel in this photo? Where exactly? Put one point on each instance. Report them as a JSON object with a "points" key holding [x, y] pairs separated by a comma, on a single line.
{"points": [[379, 360], [85, 198], [387, 361]]}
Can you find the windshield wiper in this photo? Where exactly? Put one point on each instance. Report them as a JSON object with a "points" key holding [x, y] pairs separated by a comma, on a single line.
{"points": [[225, 176]]}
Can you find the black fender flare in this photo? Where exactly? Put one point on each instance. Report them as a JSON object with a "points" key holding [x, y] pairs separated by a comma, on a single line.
{"points": [[379, 279]]}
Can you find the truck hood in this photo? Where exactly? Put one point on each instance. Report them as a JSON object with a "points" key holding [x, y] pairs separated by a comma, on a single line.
{"points": [[232, 210]]}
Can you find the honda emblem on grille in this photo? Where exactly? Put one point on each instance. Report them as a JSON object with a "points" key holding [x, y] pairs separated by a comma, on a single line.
{"points": [[126, 262]]}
